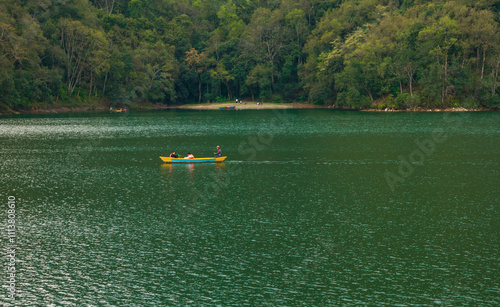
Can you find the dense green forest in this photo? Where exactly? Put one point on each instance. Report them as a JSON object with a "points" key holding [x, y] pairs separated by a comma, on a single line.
{"points": [[352, 53]]}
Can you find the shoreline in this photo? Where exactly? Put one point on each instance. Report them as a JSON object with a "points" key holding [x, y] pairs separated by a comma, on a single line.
{"points": [[238, 106], [421, 110], [204, 106], [250, 106]]}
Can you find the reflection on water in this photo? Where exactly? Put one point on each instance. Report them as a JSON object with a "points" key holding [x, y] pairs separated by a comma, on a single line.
{"points": [[308, 220], [170, 168]]}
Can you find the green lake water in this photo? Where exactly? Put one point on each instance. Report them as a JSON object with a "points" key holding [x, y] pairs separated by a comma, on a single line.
{"points": [[312, 208]]}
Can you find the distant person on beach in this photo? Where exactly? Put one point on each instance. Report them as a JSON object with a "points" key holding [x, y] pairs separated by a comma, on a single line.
{"points": [[218, 153], [174, 155]]}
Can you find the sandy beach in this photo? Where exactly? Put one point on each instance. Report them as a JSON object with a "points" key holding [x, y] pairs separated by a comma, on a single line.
{"points": [[250, 106], [217, 106]]}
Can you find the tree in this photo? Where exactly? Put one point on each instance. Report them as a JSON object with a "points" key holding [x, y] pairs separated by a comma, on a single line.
{"points": [[296, 20], [198, 62], [106, 5], [439, 38], [323, 59], [222, 75], [483, 33], [265, 39], [156, 71], [258, 80], [80, 44], [349, 52]]}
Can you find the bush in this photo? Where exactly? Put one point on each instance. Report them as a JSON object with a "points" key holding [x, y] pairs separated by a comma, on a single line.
{"points": [[352, 98], [63, 94], [469, 103], [320, 93], [264, 95], [277, 99], [209, 97], [406, 101], [220, 98], [402, 101], [493, 101]]}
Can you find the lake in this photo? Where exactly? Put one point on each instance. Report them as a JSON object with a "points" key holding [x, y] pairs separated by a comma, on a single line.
{"points": [[312, 208]]}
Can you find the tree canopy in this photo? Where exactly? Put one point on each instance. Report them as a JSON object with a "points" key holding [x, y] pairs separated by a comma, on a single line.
{"points": [[352, 53]]}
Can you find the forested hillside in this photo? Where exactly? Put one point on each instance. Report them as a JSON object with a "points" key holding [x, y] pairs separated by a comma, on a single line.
{"points": [[354, 53]]}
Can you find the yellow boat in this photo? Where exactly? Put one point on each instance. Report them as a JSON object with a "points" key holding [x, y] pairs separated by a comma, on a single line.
{"points": [[195, 160]]}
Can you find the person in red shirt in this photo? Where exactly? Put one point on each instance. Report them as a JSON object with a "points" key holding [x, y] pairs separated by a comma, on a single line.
{"points": [[218, 153]]}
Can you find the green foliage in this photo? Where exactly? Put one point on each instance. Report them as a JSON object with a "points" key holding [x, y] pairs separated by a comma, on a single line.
{"points": [[492, 101], [220, 99], [348, 53], [319, 102], [407, 101], [277, 99], [353, 98]]}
